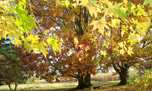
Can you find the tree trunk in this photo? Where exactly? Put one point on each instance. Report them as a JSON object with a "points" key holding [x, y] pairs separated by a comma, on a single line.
{"points": [[10, 87], [15, 86], [123, 77], [80, 82], [123, 71], [87, 80]]}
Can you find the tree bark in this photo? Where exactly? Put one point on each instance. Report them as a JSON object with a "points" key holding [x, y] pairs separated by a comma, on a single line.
{"points": [[16, 86], [84, 82], [80, 82], [10, 87], [123, 77], [123, 71], [87, 80]]}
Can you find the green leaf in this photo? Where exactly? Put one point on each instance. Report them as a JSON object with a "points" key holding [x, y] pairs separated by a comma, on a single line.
{"points": [[120, 13], [116, 38], [129, 5], [117, 5], [148, 1], [94, 2]]}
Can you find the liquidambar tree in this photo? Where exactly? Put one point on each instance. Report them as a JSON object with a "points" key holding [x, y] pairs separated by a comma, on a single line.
{"points": [[73, 31]]}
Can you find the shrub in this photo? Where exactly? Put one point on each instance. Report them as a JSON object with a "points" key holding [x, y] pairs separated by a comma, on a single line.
{"points": [[142, 83]]}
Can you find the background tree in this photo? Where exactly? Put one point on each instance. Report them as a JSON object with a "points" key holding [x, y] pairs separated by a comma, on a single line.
{"points": [[10, 65], [71, 27], [123, 48]]}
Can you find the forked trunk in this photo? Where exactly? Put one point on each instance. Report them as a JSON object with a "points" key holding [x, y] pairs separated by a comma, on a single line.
{"points": [[123, 71]]}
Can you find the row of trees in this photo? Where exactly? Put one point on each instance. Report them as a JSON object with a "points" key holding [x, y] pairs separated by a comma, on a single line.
{"points": [[87, 33]]}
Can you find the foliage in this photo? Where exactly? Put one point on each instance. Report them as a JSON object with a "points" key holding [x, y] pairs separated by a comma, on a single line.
{"points": [[143, 82], [10, 65], [18, 23]]}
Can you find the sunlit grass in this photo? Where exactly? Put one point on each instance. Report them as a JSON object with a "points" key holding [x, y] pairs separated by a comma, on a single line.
{"points": [[57, 85]]}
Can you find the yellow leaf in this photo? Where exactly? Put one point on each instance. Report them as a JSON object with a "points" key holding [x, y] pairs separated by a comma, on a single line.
{"points": [[130, 52], [121, 44], [83, 2], [100, 25], [67, 3], [17, 42], [122, 51], [93, 10], [104, 53], [125, 1], [75, 41], [45, 32], [49, 40], [44, 51]]}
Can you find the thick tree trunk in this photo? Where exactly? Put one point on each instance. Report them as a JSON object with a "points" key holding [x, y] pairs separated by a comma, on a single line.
{"points": [[87, 80], [80, 82], [123, 71], [123, 77], [84, 82]]}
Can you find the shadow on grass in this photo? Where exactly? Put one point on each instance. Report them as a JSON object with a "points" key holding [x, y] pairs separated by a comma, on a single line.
{"points": [[97, 85]]}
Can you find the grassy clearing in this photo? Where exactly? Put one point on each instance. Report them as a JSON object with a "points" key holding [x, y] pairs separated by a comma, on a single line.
{"points": [[106, 80], [59, 85]]}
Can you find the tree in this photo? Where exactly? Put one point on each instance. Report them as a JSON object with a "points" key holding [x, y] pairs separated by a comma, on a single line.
{"points": [[71, 28], [10, 65], [124, 46]]}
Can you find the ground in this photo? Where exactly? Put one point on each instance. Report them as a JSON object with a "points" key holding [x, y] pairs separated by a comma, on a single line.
{"points": [[69, 86]]}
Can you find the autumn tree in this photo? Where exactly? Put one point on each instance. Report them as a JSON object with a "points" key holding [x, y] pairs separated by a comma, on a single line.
{"points": [[125, 45], [78, 46]]}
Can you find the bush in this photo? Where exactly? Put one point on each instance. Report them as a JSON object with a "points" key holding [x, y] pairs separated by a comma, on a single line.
{"points": [[142, 83]]}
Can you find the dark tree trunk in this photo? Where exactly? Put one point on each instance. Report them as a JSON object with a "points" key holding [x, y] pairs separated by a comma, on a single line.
{"points": [[80, 82], [87, 80], [123, 71], [123, 77], [84, 82], [9, 87], [15, 86]]}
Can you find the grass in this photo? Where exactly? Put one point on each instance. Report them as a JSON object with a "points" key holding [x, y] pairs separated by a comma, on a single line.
{"points": [[105, 80], [57, 85]]}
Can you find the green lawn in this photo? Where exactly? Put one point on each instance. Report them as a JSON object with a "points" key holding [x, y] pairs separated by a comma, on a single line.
{"points": [[57, 85]]}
